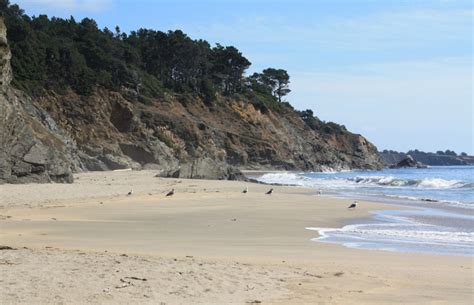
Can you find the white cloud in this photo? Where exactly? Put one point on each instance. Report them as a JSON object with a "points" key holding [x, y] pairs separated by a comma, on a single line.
{"points": [[69, 6]]}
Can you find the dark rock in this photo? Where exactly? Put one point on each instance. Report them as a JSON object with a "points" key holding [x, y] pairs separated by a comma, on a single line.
{"points": [[170, 173], [409, 162], [31, 150]]}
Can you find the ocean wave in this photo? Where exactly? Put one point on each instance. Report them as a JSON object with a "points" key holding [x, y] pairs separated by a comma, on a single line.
{"points": [[430, 183], [422, 236], [435, 191], [285, 178], [384, 181], [432, 200]]}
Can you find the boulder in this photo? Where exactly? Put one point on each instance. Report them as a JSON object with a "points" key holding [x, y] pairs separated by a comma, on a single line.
{"points": [[409, 161]]}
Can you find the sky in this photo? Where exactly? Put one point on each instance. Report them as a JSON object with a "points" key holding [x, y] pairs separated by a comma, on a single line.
{"points": [[397, 72]]}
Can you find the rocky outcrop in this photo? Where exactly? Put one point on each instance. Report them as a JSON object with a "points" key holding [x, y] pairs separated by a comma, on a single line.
{"points": [[409, 162], [32, 148]]}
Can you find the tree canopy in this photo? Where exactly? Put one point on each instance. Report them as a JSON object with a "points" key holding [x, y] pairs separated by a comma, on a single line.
{"points": [[62, 54]]}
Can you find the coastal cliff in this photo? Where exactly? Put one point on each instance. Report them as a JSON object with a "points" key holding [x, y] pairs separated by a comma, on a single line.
{"points": [[48, 134]]}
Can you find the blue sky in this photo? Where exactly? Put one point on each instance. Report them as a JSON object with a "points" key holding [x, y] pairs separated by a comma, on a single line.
{"points": [[398, 72]]}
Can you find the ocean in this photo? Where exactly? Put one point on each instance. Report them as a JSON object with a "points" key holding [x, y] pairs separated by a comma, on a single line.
{"points": [[440, 219]]}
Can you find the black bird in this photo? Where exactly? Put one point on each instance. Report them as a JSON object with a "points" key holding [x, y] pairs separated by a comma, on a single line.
{"points": [[269, 192], [130, 193], [246, 190], [353, 205], [170, 193]]}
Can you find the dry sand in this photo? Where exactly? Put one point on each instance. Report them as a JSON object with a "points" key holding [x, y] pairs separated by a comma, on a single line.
{"points": [[89, 243]]}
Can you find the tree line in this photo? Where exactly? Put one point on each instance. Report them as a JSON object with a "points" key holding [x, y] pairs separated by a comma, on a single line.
{"points": [[60, 54]]}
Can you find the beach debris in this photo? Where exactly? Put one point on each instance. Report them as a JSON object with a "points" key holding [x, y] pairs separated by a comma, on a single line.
{"points": [[233, 219], [353, 205], [254, 302], [338, 274], [170, 193], [269, 192], [246, 190], [124, 284], [124, 255], [320, 192], [312, 275], [53, 218], [136, 278], [6, 248]]}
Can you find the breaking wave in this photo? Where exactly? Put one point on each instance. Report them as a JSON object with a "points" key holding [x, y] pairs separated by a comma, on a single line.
{"points": [[433, 183], [385, 181]]}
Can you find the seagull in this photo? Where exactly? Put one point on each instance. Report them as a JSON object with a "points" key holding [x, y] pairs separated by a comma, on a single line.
{"points": [[320, 192], [130, 193], [246, 190], [353, 205], [269, 192], [170, 193]]}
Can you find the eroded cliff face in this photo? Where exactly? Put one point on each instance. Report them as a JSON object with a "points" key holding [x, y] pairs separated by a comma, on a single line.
{"points": [[185, 133], [32, 148]]}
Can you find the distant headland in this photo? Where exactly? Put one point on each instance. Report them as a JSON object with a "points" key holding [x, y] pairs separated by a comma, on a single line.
{"points": [[439, 158]]}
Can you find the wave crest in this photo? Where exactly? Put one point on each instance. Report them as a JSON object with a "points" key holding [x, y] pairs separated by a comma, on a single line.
{"points": [[431, 183], [387, 181]]}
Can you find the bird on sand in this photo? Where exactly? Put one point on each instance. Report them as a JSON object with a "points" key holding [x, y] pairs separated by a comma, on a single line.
{"points": [[353, 205], [246, 190], [269, 192], [170, 193], [130, 193]]}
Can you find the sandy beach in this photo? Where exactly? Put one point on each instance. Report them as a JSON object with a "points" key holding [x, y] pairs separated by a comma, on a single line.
{"points": [[90, 243]]}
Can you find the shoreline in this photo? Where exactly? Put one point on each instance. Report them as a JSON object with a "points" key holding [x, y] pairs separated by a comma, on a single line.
{"points": [[208, 243]]}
